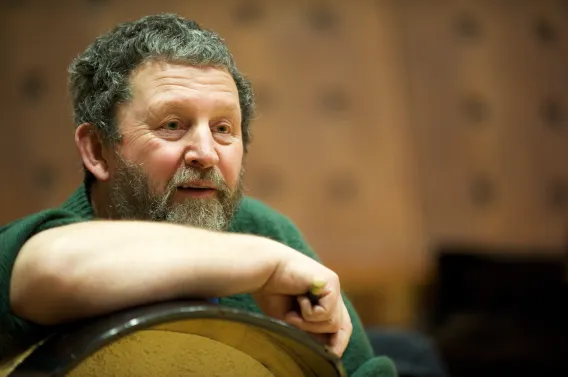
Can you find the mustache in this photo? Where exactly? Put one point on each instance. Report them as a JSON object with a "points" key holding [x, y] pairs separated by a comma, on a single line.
{"points": [[188, 174]]}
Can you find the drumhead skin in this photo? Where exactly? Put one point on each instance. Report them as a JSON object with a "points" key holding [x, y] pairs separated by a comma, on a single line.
{"points": [[180, 338]]}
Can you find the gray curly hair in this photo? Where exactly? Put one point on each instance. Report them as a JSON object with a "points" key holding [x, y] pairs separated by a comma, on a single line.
{"points": [[99, 77]]}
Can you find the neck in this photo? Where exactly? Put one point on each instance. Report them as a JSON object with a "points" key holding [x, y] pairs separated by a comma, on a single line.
{"points": [[99, 199]]}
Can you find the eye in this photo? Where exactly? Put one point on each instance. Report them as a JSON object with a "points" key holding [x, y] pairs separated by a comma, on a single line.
{"points": [[172, 125], [223, 128]]}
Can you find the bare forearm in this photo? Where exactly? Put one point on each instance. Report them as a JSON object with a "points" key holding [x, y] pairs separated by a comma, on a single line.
{"points": [[95, 267]]}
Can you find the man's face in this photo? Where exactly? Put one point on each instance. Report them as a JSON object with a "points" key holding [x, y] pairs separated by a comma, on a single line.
{"points": [[181, 156]]}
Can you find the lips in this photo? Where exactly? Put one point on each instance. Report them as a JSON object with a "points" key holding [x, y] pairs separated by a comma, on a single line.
{"points": [[197, 190], [198, 185]]}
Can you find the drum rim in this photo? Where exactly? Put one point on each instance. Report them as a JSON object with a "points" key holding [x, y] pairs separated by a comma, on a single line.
{"points": [[61, 352]]}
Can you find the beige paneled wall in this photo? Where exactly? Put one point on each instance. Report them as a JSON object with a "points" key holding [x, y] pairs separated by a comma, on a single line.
{"points": [[488, 101], [384, 126]]}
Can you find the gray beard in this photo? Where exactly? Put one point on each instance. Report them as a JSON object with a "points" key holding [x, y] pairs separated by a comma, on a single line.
{"points": [[132, 199]]}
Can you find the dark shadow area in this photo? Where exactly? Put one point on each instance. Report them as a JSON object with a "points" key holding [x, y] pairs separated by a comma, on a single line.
{"points": [[495, 313]]}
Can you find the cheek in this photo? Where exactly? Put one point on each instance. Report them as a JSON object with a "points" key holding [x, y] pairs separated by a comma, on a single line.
{"points": [[159, 159], [163, 164], [230, 164]]}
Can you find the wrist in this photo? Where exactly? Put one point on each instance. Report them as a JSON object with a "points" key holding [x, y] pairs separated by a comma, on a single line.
{"points": [[267, 256]]}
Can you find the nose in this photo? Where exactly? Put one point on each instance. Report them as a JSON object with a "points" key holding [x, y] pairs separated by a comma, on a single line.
{"points": [[200, 150]]}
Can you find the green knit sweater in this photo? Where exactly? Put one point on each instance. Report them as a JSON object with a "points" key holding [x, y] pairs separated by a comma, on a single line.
{"points": [[252, 217]]}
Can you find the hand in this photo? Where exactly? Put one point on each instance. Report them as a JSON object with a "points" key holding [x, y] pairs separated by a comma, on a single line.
{"points": [[292, 279]]}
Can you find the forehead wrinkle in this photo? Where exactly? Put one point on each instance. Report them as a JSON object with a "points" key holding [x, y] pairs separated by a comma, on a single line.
{"points": [[194, 89], [162, 87], [185, 102], [185, 76]]}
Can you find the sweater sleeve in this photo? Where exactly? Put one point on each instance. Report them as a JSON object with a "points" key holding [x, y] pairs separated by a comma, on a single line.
{"points": [[358, 358], [17, 334]]}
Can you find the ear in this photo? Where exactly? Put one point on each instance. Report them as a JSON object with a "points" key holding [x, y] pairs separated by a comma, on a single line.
{"points": [[92, 151]]}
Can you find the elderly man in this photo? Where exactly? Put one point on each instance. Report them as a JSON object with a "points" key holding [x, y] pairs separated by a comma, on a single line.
{"points": [[163, 124]]}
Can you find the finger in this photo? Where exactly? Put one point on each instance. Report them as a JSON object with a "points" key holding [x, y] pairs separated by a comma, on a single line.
{"points": [[312, 313], [325, 304], [305, 307], [338, 341], [330, 326]]}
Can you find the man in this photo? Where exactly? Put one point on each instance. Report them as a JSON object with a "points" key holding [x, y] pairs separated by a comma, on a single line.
{"points": [[163, 124]]}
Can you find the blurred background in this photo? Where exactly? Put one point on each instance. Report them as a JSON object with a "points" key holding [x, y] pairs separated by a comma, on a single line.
{"points": [[420, 145]]}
